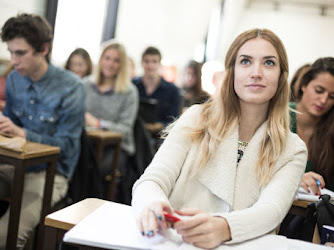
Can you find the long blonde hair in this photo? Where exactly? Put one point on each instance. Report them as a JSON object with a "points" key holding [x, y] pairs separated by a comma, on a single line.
{"points": [[123, 80], [223, 112]]}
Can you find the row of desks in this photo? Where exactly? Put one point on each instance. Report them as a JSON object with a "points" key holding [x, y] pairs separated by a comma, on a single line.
{"points": [[36, 153], [59, 222]]}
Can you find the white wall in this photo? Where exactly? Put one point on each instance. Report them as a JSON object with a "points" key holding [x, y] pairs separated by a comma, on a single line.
{"points": [[305, 33], [9, 8], [177, 27]]}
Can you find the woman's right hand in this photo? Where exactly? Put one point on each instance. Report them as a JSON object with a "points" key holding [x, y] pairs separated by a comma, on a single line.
{"points": [[309, 181], [151, 218]]}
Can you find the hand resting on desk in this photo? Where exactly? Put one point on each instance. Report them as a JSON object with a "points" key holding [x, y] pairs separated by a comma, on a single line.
{"points": [[7, 126], [199, 229], [309, 181]]}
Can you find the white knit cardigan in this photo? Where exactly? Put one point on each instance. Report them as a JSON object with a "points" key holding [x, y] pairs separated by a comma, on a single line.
{"points": [[253, 211]]}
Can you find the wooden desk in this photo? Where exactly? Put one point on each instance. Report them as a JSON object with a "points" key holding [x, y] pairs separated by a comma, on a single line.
{"points": [[103, 138], [154, 128], [58, 223], [35, 153], [299, 207]]}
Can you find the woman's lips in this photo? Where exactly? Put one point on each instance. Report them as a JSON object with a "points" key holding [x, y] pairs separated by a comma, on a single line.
{"points": [[319, 108], [255, 86]]}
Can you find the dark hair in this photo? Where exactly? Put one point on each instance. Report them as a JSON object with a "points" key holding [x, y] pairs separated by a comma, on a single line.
{"points": [[321, 143], [151, 51], [294, 84], [84, 54], [33, 28], [197, 88]]}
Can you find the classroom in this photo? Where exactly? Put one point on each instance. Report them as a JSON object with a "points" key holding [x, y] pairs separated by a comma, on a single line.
{"points": [[183, 124]]}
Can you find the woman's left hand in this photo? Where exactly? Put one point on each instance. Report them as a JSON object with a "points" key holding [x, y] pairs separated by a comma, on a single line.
{"points": [[202, 230]]}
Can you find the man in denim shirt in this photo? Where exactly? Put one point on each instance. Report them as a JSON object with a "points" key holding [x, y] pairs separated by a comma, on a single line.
{"points": [[45, 104]]}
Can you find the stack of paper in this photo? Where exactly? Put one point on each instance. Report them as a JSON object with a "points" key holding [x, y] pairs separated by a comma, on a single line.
{"points": [[303, 195], [113, 226]]}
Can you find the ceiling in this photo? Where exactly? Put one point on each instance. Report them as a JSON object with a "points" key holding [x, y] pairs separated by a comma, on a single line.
{"points": [[324, 6]]}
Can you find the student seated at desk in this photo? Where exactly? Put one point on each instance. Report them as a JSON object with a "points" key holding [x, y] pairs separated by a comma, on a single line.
{"points": [[313, 122], [192, 85], [112, 102], [79, 63], [231, 164], [44, 104], [152, 85]]}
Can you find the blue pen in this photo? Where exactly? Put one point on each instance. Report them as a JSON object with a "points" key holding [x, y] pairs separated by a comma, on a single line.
{"points": [[318, 182]]}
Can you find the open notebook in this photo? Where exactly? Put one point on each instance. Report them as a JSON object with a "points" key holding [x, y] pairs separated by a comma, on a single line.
{"points": [[303, 195], [113, 226]]}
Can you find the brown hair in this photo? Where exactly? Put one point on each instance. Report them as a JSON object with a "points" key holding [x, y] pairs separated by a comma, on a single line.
{"points": [[197, 88], [321, 143], [295, 81], [151, 51], [84, 54], [33, 28]]}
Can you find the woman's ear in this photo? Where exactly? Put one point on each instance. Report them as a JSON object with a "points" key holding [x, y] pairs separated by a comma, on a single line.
{"points": [[302, 89]]}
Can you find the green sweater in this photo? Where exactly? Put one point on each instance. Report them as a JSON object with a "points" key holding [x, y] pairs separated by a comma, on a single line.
{"points": [[293, 127]]}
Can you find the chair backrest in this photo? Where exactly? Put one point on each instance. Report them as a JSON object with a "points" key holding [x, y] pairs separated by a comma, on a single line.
{"points": [[148, 110], [87, 181]]}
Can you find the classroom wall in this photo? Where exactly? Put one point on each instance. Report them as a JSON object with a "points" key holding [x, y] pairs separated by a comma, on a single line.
{"points": [[178, 27], [305, 33]]}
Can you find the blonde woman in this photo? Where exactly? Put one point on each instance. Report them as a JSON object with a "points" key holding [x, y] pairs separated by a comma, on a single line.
{"points": [[232, 165], [112, 101]]}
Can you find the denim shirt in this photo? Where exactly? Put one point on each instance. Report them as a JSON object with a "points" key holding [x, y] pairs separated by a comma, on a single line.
{"points": [[51, 111]]}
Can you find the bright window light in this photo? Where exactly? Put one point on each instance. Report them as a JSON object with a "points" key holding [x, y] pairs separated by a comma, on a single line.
{"points": [[79, 23]]}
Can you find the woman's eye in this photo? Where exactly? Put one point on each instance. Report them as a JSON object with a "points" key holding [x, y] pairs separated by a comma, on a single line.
{"points": [[245, 61], [269, 62], [319, 91]]}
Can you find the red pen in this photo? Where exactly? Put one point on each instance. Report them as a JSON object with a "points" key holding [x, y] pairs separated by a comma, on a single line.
{"points": [[170, 217]]}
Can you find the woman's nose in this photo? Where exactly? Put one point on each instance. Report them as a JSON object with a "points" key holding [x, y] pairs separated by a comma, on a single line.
{"points": [[324, 97], [256, 71]]}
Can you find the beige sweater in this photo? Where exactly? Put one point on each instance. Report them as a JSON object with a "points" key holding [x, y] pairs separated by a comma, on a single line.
{"points": [[252, 211]]}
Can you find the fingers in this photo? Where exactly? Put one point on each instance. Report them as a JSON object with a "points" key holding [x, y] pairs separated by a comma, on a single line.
{"points": [[188, 211], [304, 186], [207, 234], [7, 126], [309, 181], [152, 219], [147, 223], [191, 226]]}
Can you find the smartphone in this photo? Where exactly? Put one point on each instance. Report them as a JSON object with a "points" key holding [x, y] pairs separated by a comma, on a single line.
{"points": [[171, 218]]}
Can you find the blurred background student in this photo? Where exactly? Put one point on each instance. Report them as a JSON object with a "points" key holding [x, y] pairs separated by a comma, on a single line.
{"points": [[153, 86], [80, 63], [313, 122], [192, 85], [112, 102]]}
